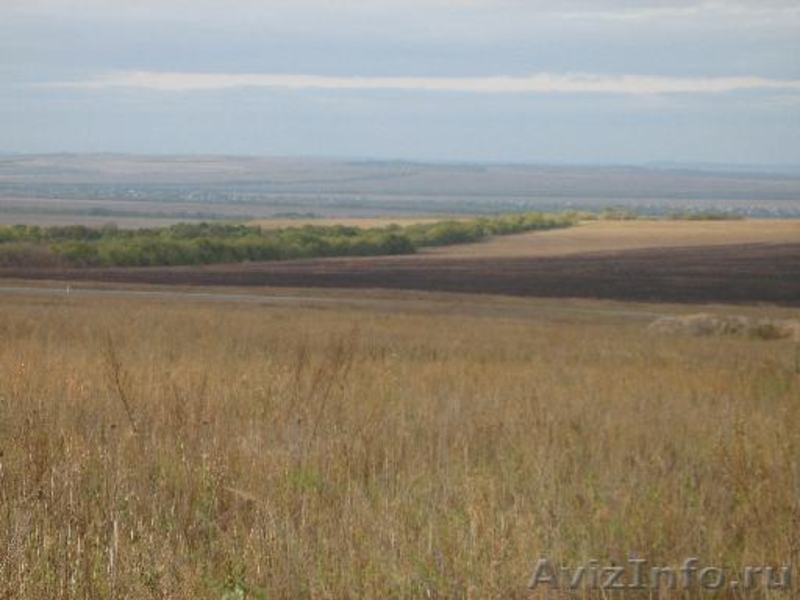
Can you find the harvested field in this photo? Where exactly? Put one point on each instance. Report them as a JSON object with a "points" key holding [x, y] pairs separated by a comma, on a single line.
{"points": [[741, 273], [612, 236]]}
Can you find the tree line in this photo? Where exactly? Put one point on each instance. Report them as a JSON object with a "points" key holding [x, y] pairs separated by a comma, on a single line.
{"points": [[207, 243]]}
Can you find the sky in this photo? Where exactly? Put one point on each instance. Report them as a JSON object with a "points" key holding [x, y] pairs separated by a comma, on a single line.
{"points": [[534, 81]]}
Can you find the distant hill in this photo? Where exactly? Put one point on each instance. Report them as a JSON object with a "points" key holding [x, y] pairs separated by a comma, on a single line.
{"points": [[387, 186]]}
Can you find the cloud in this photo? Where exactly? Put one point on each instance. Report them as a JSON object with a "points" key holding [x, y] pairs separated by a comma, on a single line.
{"points": [[746, 11], [539, 83]]}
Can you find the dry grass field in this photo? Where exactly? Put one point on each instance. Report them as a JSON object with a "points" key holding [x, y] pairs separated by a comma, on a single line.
{"points": [[617, 236], [163, 449]]}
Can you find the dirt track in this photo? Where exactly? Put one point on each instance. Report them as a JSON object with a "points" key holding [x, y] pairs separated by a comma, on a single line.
{"points": [[727, 274]]}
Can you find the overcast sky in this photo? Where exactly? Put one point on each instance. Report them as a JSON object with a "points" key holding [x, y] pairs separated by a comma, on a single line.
{"points": [[607, 81]]}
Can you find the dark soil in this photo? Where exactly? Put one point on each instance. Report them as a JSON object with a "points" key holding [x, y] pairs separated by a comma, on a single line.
{"points": [[731, 274]]}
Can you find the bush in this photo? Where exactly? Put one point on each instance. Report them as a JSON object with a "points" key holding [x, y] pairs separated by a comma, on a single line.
{"points": [[207, 243]]}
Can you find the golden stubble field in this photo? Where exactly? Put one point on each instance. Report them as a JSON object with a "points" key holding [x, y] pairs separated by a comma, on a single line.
{"points": [[618, 236], [164, 449]]}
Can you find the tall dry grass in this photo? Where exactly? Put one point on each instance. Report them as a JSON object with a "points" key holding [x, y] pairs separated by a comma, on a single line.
{"points": [[161, 450]]}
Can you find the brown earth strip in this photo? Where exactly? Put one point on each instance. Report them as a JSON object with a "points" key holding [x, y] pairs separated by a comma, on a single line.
{"points": [[743, 273]]}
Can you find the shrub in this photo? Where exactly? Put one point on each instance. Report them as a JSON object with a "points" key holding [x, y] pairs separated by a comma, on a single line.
{"points": [[207, 243]]}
